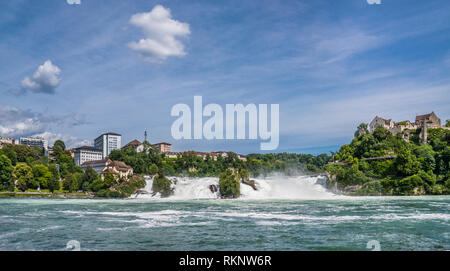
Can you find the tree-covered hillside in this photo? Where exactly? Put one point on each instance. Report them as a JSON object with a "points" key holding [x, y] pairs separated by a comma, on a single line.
{"points": [[383, 164]]}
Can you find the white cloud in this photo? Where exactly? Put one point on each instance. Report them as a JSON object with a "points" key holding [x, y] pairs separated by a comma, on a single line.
{"points": [[69, 140], [45, 79], [161, 34], [371, 2], [72, 2], [15, 122]]}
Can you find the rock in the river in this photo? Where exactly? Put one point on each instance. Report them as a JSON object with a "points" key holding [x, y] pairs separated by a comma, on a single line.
{"points": [[213, 188], [174, 181], [250, 183]]}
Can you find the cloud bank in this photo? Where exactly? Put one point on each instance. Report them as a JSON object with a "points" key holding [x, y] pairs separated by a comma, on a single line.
{"points": [[15, 122], [69, 140], [161, 33]]}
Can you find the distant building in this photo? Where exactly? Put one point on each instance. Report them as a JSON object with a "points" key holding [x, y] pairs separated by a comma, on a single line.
{"points": [[213, 155], [138, 146], [108, 142], [4, 141], [97, 165], [172, 154], [431, 120], [422, 121], [118, 168], [196, 153], [34, 142], [105, 166], [164, 147], [216, 154], [242, 157], [380, 122], [85, 154]]}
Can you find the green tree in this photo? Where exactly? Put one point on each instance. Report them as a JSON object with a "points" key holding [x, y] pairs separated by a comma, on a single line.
{"points": [[67, 183], [88, 177], [98, 184], [381, 134], [23, 174], [447, 123], [244, 174], [162, 185], [41, 175], [59, 146], [109, 180], [6, 170], [406, 163], [25, 154], [153, 169], [76, 183], [361, 129], [229, 184], [54, 183]]}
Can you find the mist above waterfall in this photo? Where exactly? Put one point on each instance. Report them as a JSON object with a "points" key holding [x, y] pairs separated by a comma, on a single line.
{"points": [[273, 187]]}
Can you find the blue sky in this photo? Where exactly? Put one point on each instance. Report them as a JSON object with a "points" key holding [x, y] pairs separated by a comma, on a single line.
{"points": [[330, 65]]}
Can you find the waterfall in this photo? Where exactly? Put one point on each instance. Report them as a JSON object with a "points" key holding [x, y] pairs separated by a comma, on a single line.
{"points": [[275, 187]]}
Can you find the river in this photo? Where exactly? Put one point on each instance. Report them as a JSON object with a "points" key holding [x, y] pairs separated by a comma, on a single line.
{"points": [[286, 213]]}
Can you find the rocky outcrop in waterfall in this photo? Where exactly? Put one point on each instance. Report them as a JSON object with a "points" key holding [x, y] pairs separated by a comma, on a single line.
{"points": [[213, 188]]}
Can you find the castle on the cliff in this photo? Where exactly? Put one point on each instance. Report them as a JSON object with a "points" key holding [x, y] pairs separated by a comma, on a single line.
{"points": [[422, 121]]}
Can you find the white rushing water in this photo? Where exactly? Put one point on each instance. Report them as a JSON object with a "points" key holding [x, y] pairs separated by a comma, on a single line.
{"points": [[275, 187]]}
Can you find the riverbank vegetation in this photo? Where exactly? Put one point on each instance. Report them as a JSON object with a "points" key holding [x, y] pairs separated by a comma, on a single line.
{"points": [[26, 171], [372, 164], [229, 183], [193, 165], [383, 164]]}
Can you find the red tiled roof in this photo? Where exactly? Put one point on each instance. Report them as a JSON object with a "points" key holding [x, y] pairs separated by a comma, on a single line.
{"points": [[133, 143]]}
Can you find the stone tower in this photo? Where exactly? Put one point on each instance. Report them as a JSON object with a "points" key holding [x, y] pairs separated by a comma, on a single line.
{"points": [[424, 132]]}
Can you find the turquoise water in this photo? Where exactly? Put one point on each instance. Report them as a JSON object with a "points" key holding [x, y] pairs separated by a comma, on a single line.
{"points": [[402, 223]]}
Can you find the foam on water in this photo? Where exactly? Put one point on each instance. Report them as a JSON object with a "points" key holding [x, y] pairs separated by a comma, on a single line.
{"points": [[279, 187]]}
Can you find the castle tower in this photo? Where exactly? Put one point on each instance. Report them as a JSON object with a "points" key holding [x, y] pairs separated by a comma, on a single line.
{"points": [[424, 132], [145, 136]]}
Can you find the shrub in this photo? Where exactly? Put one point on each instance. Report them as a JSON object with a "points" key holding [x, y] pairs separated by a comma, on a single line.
{"points": [[6, 170], [23, 174], [42, 175], [98, 184], [229, 184], [161, 185], [153, 169]]}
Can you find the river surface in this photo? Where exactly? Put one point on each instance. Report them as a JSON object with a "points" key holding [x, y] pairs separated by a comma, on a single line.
{"points": [[317, 220]]}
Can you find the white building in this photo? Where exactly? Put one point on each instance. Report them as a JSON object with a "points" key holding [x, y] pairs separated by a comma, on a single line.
{"points": [[6, 141], [34, 142], [104, 166], [97, 165], [85, 154], [108, 142]]}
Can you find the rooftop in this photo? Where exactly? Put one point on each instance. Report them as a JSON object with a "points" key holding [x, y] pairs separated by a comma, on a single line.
{"points": [[162, 143], [87, 148], [133, 143], [97, 162], [110, 133]]}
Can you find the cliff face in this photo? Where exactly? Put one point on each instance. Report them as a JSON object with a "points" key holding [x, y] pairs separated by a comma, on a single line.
{"points": [[332, 185]]}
